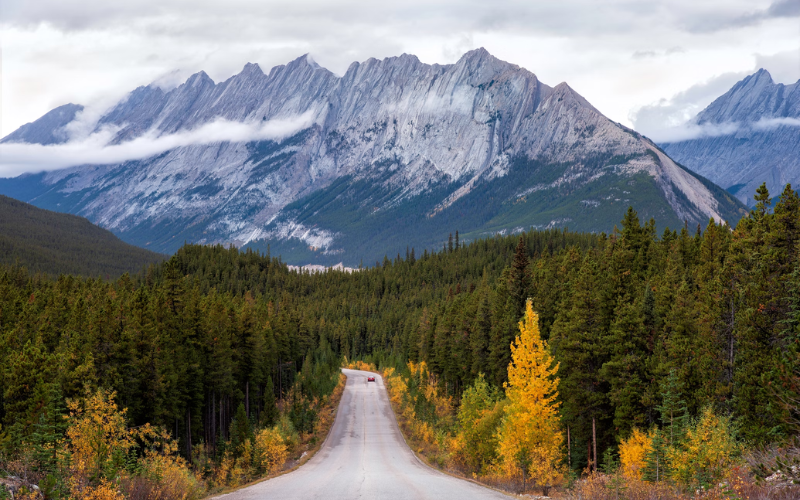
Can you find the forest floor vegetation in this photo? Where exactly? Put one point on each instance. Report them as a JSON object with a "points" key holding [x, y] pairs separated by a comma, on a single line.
{"points": [[306, 445], [90, 452]]}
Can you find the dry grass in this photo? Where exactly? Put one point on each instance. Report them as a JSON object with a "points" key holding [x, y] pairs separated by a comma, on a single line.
{"points": [[739, 486]]}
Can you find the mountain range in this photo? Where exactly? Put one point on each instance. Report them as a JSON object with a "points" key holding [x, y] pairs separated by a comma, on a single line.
{"points": [[394, 153], [752, 136]]}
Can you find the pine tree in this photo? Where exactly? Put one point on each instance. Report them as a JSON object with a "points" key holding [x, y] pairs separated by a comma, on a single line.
{"points": [[672, 409], [519, 278], [656, 467], [240, 431], [481, 331], [48, 432], [577, 341], [270, 412]]}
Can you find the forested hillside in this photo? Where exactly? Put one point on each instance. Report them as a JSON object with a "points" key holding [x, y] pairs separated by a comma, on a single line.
{"points": [[56, 243], [633, 318]]}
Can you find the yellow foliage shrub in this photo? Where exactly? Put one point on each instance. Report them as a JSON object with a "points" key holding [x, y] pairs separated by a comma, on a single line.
{"points": [[360, 365], [223, 470], [99, 442], [97, 433], [103, 491], [708, 452], [633, 453], [269, 451]]}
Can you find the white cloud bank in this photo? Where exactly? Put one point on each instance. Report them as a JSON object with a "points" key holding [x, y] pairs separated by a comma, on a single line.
{"points": [[18, 158], [772, 123], [691, 131]]}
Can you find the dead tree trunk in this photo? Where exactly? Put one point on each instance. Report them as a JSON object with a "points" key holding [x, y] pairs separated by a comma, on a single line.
{"points": [[189, 434], [569, 450], [594, 443]]}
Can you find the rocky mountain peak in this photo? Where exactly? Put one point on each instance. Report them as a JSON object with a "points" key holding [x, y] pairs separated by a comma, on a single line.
{"points": [[763, 144], [563, 92], [303, 62], [49, 129], [480, 67], [395, 150], [477, 57], [761, 75], [199, 79], [753, 98], [252, 70]]}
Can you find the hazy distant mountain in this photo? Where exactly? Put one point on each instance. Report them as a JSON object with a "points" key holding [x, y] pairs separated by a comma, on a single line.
{"points": [[764, 145], [393, 153], [49, 129], [54, 243]]}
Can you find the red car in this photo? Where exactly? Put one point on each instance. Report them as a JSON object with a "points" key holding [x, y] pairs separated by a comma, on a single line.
{"points": [[370, 379]]}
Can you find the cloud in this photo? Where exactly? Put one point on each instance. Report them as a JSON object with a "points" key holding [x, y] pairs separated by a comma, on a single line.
{"points": [[94, 149], [648, 54], [60, 51], [666, 120], [731, 19], [773, 123], [644, 54], [692, 131], [784, 8], [783, 66]]}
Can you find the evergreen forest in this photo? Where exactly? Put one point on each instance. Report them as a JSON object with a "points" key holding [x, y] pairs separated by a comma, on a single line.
{"points": [[702, 319], [56, 243]]}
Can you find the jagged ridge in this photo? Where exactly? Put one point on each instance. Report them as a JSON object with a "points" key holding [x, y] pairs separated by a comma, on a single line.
{"points": [[390, 140]]}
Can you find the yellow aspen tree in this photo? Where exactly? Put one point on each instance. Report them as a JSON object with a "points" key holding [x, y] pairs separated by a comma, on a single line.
{"points": [[633, 453], [530, 441], [99, 439]]}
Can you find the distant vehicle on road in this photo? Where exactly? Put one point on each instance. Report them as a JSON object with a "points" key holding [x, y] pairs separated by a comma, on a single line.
{"points": [[370, 379]]}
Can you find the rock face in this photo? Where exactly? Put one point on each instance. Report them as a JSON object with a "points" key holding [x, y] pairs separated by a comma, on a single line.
{"points": [[49, 129], [764, 143], [394, 153]]}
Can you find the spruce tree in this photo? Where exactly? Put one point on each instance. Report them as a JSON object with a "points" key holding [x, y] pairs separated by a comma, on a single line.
{"points": [[48, 431], [240, 429], [519, 278], [656, 467], [270, 412]]}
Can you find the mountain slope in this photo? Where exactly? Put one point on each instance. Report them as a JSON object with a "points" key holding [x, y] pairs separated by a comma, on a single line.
{"points": [[55, 243], [765, 143], [393, 153], [49, 129]]}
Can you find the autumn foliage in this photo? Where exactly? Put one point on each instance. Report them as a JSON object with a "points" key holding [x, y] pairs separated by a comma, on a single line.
{"points": [[106, 456], [530, 439], [269, 451], [633, 453]]}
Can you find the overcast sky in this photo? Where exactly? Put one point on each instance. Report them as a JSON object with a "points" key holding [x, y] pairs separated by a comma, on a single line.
{"points": [[650, 64]]}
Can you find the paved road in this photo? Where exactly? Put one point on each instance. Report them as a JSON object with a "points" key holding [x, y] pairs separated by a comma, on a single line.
{"points": [[364, 457]]}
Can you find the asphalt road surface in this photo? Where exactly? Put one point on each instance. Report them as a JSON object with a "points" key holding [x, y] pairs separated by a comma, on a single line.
{"points": [[364, 457]]}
